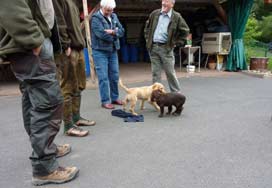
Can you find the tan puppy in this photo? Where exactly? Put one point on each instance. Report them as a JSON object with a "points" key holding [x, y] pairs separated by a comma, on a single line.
{"points": [[140, 93]]}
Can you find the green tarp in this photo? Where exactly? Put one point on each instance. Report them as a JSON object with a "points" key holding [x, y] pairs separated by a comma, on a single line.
{"points": [[238, 13]]}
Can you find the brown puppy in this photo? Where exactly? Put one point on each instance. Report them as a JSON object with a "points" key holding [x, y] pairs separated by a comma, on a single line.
{"points": [[140, 93], [169, 100]]}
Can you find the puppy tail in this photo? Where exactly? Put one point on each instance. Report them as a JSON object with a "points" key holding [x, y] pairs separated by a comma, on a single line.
{"points": [[122, 85]]}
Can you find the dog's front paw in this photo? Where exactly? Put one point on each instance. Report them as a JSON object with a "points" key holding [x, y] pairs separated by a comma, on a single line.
{"points": [[160, 116], [168, 113], [176, 114], [134, 113], [157, 107]]}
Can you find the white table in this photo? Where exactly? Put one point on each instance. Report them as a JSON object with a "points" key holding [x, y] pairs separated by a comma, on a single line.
{"points": [[190, 50]]}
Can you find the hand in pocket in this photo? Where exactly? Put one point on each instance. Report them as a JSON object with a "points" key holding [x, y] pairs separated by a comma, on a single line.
{"points": [[37, 51]]}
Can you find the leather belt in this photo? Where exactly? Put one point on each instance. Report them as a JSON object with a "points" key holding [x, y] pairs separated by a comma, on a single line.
{"points": [[159, 43]]}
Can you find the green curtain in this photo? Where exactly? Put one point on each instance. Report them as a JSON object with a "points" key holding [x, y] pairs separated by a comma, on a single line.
{"points": [[238, 13]]}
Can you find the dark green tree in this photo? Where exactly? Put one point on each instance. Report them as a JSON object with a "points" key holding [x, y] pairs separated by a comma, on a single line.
{"points": [[259, 9], [266, 29]]}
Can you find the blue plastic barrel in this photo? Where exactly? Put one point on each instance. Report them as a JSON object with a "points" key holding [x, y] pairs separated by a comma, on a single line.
{"points": [[122, 41], [87, 63], [133, 55], [124, 53], [146, 56]]}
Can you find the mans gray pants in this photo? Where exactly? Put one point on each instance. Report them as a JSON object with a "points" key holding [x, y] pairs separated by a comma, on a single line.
{"points": [[41, 105], [161, 58]]}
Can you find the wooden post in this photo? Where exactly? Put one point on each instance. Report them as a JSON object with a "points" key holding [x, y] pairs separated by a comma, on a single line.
{"points": [[88, 38], [221, 12]]}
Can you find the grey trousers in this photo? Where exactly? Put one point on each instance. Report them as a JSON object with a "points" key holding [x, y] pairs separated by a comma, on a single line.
{"points": [[161, 58], [41, 105]]}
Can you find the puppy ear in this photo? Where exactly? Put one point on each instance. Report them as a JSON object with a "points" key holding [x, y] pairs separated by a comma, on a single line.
{"points": [[157, 93], [161, 93], [152, 98], [154, 86]]}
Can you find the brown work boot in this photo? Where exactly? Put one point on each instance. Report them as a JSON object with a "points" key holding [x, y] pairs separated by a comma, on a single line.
{"points": [[61, 175], [85, 122], [77, 132], [63, 150]]}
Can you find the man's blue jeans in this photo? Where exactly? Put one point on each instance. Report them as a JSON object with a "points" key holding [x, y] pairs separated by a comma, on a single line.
{"points": [[107, 70]]}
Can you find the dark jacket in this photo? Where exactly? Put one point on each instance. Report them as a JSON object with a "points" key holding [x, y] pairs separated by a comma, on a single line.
{"points": [[100, 39], [67, 15], [22, 26], [177, 29]]}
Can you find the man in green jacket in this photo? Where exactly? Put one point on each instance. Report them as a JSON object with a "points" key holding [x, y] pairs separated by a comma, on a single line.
{"points": [[165, 29], [24, 41], [71, 66]]}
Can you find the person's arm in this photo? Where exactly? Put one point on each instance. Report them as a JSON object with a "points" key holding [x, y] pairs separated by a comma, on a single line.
{"points": [[119, 31], [17, 21], [147, 29], [148, 25], [182, 31], [99, 31], [59, 7]]}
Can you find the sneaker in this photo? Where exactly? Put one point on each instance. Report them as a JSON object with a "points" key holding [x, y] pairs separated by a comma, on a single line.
{"points": [[63, 150], [77, 132], [85, 122], [59, 176]]}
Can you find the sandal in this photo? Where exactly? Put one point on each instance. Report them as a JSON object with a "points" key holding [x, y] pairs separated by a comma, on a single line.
{"points": [[63, 150], [77, 132], [85, 122]]}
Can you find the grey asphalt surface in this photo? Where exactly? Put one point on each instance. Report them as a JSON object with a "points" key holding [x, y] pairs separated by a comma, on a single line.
{"points": [[223, 139]]}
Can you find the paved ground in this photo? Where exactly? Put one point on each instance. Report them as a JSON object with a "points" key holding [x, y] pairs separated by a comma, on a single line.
{"points": [[222, 140], [130, 73]]}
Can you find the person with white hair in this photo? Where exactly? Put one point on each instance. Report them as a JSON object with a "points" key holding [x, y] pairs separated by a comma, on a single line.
{"points": [[108, 3], [106, 30], [165, 29]]}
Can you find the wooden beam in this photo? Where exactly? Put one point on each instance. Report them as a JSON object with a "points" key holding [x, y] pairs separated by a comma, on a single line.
{"points": [[88, 38], [221, 12]]}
